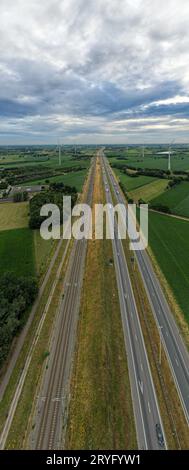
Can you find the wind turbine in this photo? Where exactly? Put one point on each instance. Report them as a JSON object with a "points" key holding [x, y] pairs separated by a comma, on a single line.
{"points": [[143, 150], [168, 152], [59, 148], [169, 155]]}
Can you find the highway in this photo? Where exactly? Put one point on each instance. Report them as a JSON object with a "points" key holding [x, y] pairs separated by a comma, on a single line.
{"points": [[52, 402], [177, 354], [145, 404]]}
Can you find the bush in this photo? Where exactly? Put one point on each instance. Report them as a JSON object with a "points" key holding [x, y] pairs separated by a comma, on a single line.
{"points": [[160, 208]]}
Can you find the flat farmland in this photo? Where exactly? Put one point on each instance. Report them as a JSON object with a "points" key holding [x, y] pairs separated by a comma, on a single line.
{"points": [[17, 252], [131, 182], [76, 179], [177, 199], [169, 241], [13, 215], [153, 162], [50, 161], [150, 191]]}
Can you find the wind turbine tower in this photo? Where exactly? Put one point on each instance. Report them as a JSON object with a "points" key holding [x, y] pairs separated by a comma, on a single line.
{"points": [[169, 159], [59, 148], [143, 148], [59, 154], [169, 155]]}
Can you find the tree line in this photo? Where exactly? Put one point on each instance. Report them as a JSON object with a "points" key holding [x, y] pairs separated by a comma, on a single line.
{"points": [[16, 296], [53, 196]]}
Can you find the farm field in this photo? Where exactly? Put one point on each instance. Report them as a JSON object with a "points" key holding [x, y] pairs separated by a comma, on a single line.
{"points": [[169, 241], [150, 191], [71, 179], [152, 162], [51, 160], [177, 199], [13, 215], [132, 183], [17, 252]]}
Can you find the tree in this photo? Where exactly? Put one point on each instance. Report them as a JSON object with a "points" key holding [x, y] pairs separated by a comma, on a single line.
{"points": [[16, 296], [17, 197]]}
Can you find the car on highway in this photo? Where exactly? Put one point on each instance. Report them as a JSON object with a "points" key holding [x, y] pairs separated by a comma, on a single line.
{"points": [[160, 435]]}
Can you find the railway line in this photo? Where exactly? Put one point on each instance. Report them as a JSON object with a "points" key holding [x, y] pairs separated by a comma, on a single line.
{"points": [[51, 410]]}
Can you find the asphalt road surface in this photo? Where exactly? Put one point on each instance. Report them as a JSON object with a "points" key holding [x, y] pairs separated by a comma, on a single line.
{"points": [[145, 404], [172, 340]]}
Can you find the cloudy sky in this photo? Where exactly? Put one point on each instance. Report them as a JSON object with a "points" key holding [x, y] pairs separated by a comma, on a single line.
{"points": [[102, 71]]}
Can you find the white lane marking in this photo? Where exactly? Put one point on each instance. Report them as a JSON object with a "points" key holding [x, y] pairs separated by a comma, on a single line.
{"points": [[176, 361], [141, 386], [149, 407]]}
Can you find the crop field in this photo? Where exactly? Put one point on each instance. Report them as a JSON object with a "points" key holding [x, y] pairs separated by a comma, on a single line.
{"points": [[169, 241], [13, 215], [177, 199], [71, 179], [179, 162], [150, 191], [131, 182], [49, 159], [17, 252]]}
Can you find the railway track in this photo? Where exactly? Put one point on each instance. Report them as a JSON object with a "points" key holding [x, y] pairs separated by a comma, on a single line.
{"points": [[54, 394]]}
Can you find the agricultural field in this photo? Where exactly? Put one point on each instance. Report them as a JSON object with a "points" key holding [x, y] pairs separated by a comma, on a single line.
{"points": [[133, 158], [76, 179], [131, 182], [40, 157], [176, 198], [13, 215], [17, 252], [169, 241], [150, 190]]}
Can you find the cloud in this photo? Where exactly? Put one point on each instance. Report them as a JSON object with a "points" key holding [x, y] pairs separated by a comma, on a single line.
{"points": [[75, 68]]}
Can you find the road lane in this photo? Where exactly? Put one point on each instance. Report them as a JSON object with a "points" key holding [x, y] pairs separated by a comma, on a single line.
{"points": [[176, 351], [145, 404]]}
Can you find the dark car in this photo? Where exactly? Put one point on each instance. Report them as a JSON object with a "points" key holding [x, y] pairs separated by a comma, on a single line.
{"points": [[160, 435]]}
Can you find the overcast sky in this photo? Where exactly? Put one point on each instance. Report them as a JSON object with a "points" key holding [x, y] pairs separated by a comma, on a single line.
{"points": [[100, 71]]}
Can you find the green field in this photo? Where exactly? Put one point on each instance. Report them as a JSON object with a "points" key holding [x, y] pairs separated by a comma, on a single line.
{"points": [[152, 162], [13, 215], [17, 252], [130, 182], [169, 241], [150, 191], [51, 160], [177, 199], [76, 179]]}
